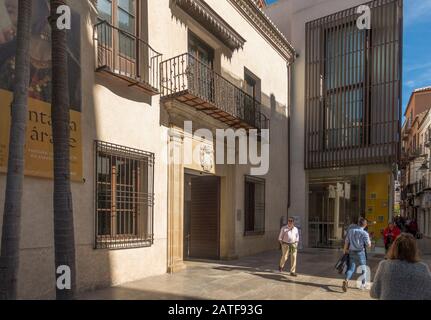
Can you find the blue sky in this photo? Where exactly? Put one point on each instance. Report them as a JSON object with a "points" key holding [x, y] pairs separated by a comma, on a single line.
{"points": [[417, 46]]}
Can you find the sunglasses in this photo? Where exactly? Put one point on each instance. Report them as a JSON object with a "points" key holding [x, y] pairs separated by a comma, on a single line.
{"points": [[289, 220]]}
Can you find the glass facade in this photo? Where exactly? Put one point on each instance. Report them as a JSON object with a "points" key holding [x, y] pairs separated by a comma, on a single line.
{"points": [[334, 204]]}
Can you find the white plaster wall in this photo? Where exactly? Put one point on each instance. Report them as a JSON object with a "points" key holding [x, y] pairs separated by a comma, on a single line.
{"points": [[266, 63], [113, 112], [260, 58]]}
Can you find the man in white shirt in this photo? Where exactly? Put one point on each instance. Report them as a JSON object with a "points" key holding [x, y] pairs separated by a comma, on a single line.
{"points": [[289, 238]]}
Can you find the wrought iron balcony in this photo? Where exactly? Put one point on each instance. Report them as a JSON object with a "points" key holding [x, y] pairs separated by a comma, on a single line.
{"points": [[194, 83], [407, 191], [404, 159], [413, 189], [407, 127], [416, 152], [424, 184], [127, 57]]}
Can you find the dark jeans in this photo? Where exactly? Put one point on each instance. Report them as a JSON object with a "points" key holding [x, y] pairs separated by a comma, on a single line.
{"points": [[357, 258]]}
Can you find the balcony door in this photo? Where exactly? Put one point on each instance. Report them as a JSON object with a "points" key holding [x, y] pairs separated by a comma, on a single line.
{"points": [[201, 58], [119, 35], [252, 99]]}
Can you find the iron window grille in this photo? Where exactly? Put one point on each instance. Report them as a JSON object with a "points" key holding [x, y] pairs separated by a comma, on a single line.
{"points": [[124, 197], [254, 206]]}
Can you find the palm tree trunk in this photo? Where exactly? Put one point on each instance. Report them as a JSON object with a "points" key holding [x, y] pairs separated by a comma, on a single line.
{"points": [[11, 228], [64, 240]]}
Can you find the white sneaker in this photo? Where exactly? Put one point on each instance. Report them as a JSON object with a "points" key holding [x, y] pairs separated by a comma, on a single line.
{"points": [[363, 287]]}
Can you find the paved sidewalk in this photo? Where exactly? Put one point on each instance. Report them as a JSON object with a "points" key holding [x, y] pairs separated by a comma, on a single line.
{"points": [[249, 278]]}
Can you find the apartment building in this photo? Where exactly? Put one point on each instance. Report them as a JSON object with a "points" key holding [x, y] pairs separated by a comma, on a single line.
{"points": [[138, 69], [415, 160], [345, 113]]}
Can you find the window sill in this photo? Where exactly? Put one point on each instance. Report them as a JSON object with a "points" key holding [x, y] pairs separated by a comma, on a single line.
{"points": [[116, 244]]}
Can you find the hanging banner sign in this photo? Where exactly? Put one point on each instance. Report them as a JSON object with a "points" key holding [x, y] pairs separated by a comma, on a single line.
{"points": [[38, 144]]}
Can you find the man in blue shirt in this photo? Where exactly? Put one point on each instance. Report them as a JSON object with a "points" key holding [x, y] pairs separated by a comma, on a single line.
{"points": [[357, 239]]}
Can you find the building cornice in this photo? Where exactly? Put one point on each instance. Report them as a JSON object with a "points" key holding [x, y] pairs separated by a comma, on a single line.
{"points": [[266, 27], [206, 16], [415, 92]]}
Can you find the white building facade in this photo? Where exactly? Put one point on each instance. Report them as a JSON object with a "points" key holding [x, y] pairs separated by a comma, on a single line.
{"points": [[138, 70]]}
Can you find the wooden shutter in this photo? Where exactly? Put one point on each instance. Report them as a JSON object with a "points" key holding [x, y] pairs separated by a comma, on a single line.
{"points": [[204, 219]]}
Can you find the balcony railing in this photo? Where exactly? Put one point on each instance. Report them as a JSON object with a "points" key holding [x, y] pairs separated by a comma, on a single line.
{"points": [[424, 184], [416, 188], [404, 158], [416, 152], [194, 83], [406, 191], [407, 125], [124, 55]]}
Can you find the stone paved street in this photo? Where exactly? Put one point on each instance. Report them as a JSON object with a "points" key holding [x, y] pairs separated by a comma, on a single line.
{"points": [[249, 278]]}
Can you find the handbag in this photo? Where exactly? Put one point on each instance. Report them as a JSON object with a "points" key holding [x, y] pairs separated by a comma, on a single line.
{"points": [[342, 263]]}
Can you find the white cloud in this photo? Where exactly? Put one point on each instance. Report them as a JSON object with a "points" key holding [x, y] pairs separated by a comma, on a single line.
{"points": [[419, 78], [416, 67], [410, 83]]}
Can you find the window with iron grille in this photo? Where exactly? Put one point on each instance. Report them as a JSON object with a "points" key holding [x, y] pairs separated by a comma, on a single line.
{"points": [[124, 196], [254, 207]]}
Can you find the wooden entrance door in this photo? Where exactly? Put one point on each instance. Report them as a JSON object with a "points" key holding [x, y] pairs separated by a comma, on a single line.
{"points": [[204, 220]]}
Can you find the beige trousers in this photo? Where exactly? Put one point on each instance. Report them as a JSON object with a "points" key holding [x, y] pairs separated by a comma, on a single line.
{"points": [[287, 249]]}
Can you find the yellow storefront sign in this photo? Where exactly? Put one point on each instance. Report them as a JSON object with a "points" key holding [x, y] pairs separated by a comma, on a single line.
{"points": [[39, 148]]}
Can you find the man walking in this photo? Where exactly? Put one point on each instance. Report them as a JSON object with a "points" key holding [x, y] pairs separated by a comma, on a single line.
{"points": [[357, 240], [289, 238]]}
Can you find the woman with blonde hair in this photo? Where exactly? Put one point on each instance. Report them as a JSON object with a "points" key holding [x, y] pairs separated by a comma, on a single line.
{"points": [[402, 276]]}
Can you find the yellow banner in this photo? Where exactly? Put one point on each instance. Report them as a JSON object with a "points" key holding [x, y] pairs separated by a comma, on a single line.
{"points": [[38, 147]]}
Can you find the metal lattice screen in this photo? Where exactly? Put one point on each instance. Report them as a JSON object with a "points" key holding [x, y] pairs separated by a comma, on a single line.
{"points": [[353, 88], [124, 196]]}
